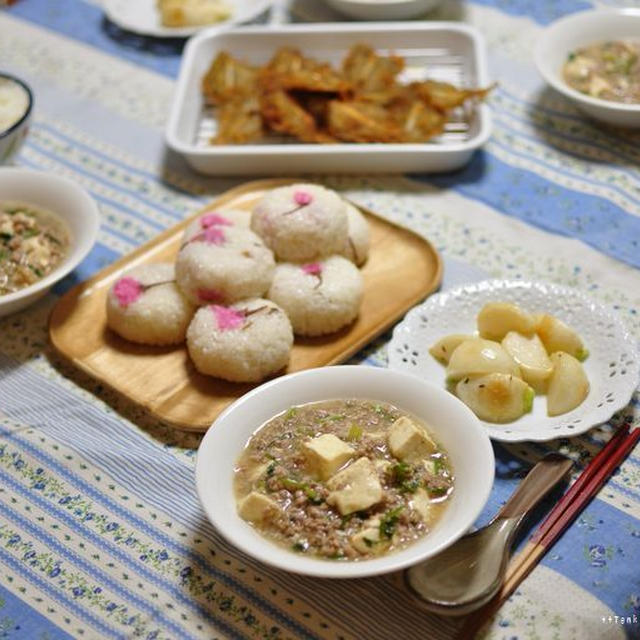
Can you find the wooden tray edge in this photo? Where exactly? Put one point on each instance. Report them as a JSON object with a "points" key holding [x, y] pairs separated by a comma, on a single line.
{"points": [[228, 195]]}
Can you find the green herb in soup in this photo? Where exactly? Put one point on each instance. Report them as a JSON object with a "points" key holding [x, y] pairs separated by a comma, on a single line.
{"points": [[32, 243], [343, 479], [609, 70]]}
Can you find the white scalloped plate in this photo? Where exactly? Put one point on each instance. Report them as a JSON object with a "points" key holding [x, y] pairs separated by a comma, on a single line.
{"points": [[143, 17], [613, 366]]}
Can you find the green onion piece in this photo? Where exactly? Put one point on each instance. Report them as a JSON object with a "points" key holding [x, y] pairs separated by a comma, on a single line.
{"points": [[438, 466], [295, 485], [437, 491], [389, 522], [35, 270], [355, 433], [400, 472]]}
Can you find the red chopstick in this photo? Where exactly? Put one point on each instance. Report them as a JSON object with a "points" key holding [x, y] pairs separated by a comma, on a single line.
{"points": [[598, 461], [587, 492], [590, 481]]}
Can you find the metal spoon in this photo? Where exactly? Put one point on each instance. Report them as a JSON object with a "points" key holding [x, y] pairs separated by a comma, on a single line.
{"points": [[469, 573]]}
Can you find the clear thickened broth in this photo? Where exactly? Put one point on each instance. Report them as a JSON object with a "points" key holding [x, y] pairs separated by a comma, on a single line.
{"points": [[343, 479]]}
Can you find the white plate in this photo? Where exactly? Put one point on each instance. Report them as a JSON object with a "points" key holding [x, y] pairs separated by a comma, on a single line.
{"points": [[143, 17], [613, 365], [579, 30], [453, 425], [446, 51]]}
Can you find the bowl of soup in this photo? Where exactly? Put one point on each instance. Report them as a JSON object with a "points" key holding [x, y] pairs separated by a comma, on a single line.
{"points": [[16, 105], [344, 471], [593, 59], [48, 225]]}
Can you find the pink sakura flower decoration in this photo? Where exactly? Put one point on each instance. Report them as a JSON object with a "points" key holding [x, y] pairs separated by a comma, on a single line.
{"points": [[227, 318], [213, 235], [302, 198], [127, 290], [312, 269], [209, 295], [212, 219]]}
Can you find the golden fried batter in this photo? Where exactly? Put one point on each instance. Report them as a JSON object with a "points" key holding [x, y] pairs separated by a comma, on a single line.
{"points": [[444, 96], [283, 114], [239, 121], [419, 121], [228, 79], [362, 122], [309, 100], [368, 72], [289, 70]]}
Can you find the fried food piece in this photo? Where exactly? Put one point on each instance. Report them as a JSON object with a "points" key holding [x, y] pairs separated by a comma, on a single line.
{"points": [[369, 72], [228, 79], [420, 122], [285, 60], [317, 104], [283, 114], [362, 122], [312, 102], [444, 96], [289, 70], [239, 121]]}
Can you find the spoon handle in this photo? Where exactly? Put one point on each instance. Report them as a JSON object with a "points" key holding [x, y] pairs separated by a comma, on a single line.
{"points": [[539, 481]]}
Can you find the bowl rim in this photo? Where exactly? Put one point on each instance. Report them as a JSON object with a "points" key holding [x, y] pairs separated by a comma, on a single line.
{"points": [[80, 247], [384, 3], [25, 116], [317, 567], [562, 87]]}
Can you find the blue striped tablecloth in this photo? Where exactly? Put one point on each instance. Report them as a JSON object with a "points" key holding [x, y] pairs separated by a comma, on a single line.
{"points": [[101, 534]]}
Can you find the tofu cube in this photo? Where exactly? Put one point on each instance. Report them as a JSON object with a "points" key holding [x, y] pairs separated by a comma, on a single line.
{"points": [[368, 540], [257, 507], [408, 441], [421, 503], [355, 488], [382, 466], [256, 473], [326, 454]]}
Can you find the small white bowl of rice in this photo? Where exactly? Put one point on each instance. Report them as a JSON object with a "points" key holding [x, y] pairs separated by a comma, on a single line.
{"points": [[16, 106]]}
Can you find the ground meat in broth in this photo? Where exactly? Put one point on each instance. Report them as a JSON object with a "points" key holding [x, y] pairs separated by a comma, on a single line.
{"points": [[609, 70], [274, 464], [32, 243]]}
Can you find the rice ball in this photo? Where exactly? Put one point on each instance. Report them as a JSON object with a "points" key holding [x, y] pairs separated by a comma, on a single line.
{"points": [[356, 247], [301, 222], [224, 264], [217, 218], [244, 342], [319, 297], [146, 306]]}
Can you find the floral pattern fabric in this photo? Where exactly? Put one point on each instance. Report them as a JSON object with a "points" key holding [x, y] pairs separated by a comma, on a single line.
{"points": [[101, 533]]}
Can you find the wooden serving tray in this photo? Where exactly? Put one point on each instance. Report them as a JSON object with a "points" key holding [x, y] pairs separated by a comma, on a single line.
{"points": [[402, 269]]}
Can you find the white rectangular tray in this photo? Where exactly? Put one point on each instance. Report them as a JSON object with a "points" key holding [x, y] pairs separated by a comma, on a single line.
{"points": [[446, 51]]}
